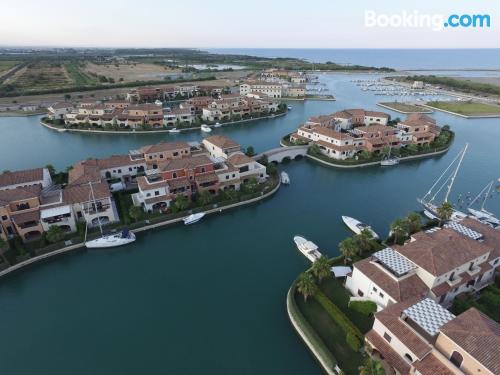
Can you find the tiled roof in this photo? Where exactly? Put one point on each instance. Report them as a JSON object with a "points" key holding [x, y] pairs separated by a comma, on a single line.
{"points": [[389, 354], [239, 159], [17, 194], [25, 216], [164, 146], [491, 237], [21, 177], [81, 193], [185, 163], [431, 365], [221, 141], [117, 161], [478, 335], [83, 172]]}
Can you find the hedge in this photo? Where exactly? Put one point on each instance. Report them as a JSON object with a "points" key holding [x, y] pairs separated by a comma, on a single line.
{"points": [[353, 342], [364, 307]]}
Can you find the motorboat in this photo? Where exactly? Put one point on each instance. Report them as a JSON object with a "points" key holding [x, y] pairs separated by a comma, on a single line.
{"points": [[205, 128], [357, 226], [112, 240], [285, 179], [430, 215], [389, 162], [217, 125], [308, 248], [174, 130], [289, 107], [193, 218]]}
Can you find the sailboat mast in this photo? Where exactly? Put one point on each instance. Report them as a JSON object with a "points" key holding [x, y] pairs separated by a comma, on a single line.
{"points": [[490, 185], [95, 205], [455, 173]]}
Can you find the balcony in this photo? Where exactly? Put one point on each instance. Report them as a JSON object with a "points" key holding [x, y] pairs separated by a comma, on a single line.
{"points": [[474, 270], [456, 280]]}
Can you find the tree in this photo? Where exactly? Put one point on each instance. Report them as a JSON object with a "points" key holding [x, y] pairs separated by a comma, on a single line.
{"points": [[4, 246], [445, 211], [135, 213], [414, 222], [251, 185], [363, 241], [250, 151], [314, 150], [67, 96], [412, 148], [272, 169], [52, 170], [205, 198], [385, 151], [181, 202], [348, 248], [306, 285], [231, 194], [55, 234], [365, 155], [372, 367], [399, 229], [321, 268]]}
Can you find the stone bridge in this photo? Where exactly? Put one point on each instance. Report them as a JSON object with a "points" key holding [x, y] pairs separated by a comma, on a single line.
{"points": [[277, 155]]}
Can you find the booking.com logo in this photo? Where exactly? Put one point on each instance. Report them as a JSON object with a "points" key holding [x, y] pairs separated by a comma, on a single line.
{"points": [[436, 22]]}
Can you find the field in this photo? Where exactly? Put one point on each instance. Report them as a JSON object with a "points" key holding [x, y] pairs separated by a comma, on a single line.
{"points": [[6, 65], [467, 108], [405, 107], [79, 77], [40, 76], [129, 72]]}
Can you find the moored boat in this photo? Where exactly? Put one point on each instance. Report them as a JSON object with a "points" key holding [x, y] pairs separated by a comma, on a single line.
{"points": [[112, 240], [389, 162], [193, 218], [308, 248], [285, 179], [205, 128], [357, 226], [289, 107], [174, 130], [217, 125]]}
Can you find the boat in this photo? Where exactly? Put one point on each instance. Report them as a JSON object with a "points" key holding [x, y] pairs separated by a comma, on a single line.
{"points": [[217, 125], [285, 179], [357, 226], [430, 215], [193, 218], [289, 107], [308, 248], [482, 214], [205, 128], [174, 130], [109, 240], [446, 179], [389, 162]]}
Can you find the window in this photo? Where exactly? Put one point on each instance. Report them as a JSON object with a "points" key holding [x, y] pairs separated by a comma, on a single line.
{"points": [[202, 169], [456, 358], [374, 289], [4, 217], [119, 171], [360, 293], [130, 169], [174, 175], [408, 357], [175, 153], [381, 295], [161, 156], [157, 192], [227, 177], [387, 337]]}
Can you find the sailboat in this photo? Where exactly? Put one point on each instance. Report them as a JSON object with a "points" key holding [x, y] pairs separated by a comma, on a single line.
{"points": [[109, 240], [482, 214], [447, 180], [389, 161]]}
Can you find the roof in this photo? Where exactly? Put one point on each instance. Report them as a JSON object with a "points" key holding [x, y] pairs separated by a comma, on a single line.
{"points": [[390, 317], [83, 172], [376, 129], [429, 315], [478, 335], [61, 105], [239, 159], [185, 163], [491, 237], [21, 177], [17, 194], [390, 355], [21, 217], [117, 161], [221, 141], [329, 132], [431, 365], [164, 146], [81, 193], [399, 289], [441, 251], [397, 263]]}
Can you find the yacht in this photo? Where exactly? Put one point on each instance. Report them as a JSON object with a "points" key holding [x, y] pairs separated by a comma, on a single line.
{"points": [[217, 125], [285, 179], [174, 130], [193, 218], [289, 107], [357, 226], [482, 214], [109, 240], [205, 128], [389, 161], [308, 248]]}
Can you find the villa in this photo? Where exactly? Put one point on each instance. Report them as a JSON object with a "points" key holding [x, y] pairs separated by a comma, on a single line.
{"points": [[421, 337], [272, 90], [440, 264]]}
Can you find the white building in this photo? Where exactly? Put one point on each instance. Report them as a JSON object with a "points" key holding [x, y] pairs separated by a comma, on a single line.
{"points": [[272, 90], [28, 177], [219, 146]]}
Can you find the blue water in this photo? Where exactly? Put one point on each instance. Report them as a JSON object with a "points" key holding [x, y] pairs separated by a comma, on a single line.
{"points": [[393, 58]]}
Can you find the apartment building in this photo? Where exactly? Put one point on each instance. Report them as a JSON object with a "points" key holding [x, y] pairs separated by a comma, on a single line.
{"points": [[57, 110], [29, 177], [272, 90]]}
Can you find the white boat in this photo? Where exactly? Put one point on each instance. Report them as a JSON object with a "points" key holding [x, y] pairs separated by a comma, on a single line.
{"points": [[205, 128], [217, 125], [285, 179], [430, 215], [109, 240], [174, 130], [193, 218], [112, 240], [308, 248], [389, 162], [289, 107], [357, 226], [482, 214]]}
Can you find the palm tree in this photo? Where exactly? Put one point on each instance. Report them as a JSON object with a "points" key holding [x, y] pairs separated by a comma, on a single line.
{"points": [[445, 211], [306, 285], [363, 241], [372, 367], [321, 268], [399, 229], [348, 248], [414, 222]]}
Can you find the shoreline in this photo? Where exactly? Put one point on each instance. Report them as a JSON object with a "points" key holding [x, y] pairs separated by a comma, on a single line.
{"points": [[93, 131], [461, 115], [403, 112], [80, 245]]}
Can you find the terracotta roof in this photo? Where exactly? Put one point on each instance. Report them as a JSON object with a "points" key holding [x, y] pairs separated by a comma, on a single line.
{"points": [[441, 251], [25, 216], [431, 365], [221, 141], [491, 237], [465, 278], [478, 335], [143, 183], [21, 177], [329, 132], [206, 177], [376, 129], [83, 172], [179, 182], [336, 147], [185, 163], [399, 289], [389, 354], [239, 159], [81, 193], [117, 161], [17, 194], [164, 146], [390, 317]]}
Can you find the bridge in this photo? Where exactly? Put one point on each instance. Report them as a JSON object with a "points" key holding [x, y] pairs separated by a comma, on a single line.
{"points": [[279, 154]]}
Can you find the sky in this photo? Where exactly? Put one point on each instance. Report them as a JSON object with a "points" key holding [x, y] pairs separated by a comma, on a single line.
{"points": [[238, 24]]}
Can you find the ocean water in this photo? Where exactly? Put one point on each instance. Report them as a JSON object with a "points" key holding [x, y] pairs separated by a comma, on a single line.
{"points": [[401, 59]]}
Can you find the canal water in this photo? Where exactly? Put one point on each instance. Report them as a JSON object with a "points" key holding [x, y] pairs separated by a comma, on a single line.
{"points": [[210, 297]]}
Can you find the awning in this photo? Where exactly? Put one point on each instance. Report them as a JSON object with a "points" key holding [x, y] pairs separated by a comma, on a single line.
{"points": [[340, 271], [56, 211]]}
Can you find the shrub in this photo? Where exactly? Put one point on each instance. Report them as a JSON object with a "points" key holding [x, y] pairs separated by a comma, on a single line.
{"points": [[363, 307], [353, 342]]}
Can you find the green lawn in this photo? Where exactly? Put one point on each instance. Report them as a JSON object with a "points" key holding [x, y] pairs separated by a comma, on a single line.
{"points": [[406, 107], [467, 108], [78, 76]]}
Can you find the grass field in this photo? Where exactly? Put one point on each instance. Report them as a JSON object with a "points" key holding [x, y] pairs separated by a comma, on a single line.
{"points": [[405, 107], [7, 64], [129, 72], [467, 108], [41, 76], [78, 76]]}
